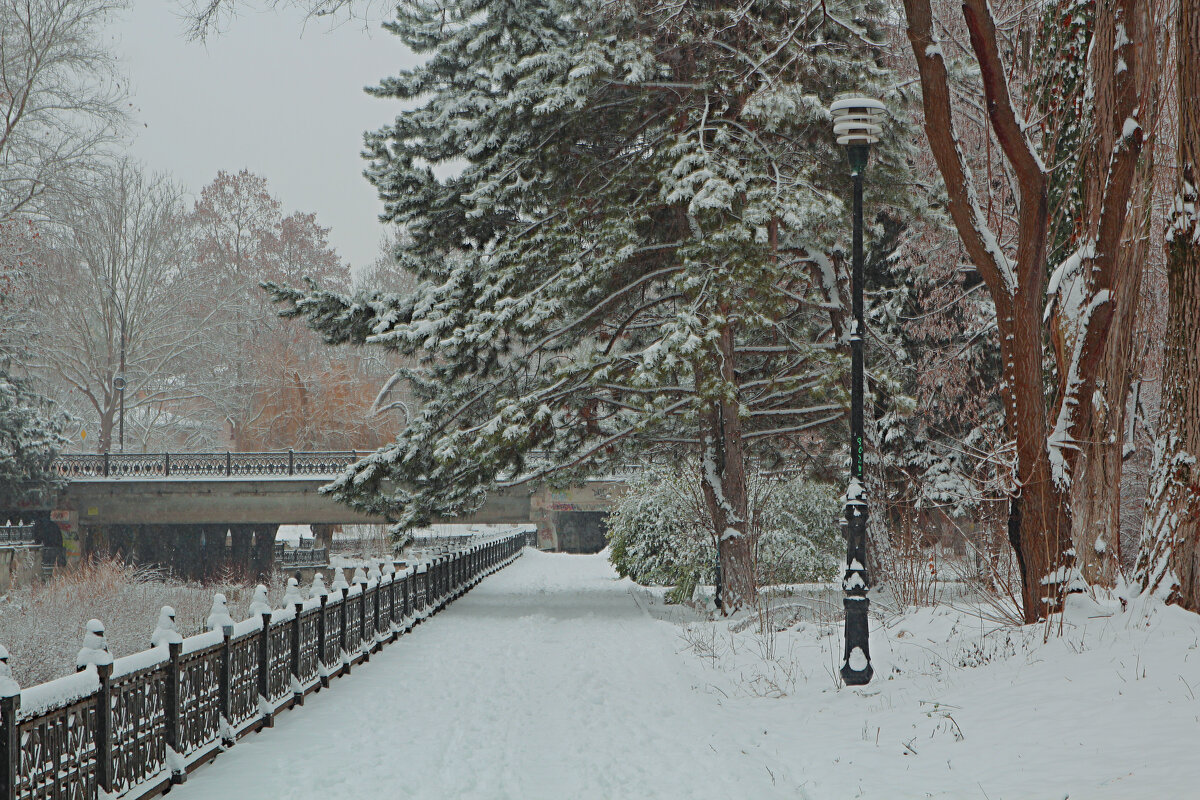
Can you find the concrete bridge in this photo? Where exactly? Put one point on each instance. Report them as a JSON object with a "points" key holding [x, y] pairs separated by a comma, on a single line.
{"points": [[184, 510]]}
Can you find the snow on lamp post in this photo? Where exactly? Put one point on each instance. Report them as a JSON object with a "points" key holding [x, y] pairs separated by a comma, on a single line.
{"points": [[857, 123]]}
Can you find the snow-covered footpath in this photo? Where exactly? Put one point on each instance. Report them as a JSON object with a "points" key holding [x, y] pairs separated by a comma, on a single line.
{"points": [[555, 679]]}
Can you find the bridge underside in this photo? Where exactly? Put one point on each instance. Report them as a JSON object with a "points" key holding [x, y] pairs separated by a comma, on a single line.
{"points": [[294, 501], [185, 524]]}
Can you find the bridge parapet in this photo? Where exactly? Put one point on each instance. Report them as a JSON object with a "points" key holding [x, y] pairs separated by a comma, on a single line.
{"points": [[109, 466]]}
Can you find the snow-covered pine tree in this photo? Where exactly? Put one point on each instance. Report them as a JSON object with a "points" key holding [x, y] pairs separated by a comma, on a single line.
{"points": [[630, 242], [30, 438]]}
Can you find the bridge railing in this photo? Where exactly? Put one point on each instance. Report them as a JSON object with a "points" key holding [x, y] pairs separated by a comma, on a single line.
{"points": [[315, 557], [19, 534], [142, 722], [203, 465]]}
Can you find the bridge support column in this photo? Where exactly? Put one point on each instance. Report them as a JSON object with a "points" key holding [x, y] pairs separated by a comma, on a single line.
{"points": [[323, 534], [263, 551]]}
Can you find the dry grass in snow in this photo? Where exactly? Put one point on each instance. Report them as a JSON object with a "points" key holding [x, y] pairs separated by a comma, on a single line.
{"points": [[42, 626]]}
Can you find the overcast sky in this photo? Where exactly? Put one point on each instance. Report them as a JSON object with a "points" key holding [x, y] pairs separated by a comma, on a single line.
{"points": [[270, 94]]}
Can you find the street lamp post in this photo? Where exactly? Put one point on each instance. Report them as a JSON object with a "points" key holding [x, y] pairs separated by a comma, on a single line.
{"points": [[857, 125]]}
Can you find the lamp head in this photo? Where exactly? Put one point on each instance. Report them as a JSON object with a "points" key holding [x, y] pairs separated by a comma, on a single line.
{"points": [[857, 120]]}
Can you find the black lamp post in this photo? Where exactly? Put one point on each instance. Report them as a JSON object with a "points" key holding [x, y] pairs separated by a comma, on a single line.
{"points": [[856, 123]]}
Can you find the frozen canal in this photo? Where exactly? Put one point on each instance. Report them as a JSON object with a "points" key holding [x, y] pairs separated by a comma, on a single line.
{"points": [[548, 680]]}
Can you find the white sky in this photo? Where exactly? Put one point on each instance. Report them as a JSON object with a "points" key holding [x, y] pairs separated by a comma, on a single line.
{"points": [[271, 95]]}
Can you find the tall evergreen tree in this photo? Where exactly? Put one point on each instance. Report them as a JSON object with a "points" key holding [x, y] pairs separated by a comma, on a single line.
{"points": [[639, 245], [30, 438]]}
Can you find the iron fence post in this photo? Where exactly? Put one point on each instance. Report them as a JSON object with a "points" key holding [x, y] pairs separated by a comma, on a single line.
{"points": [[342, 637], [104, 763], [321, 627], [291, 461], [362, 620], [171, 705], [298, 690], [226, 674], [10, 757], [228, 464], [264, 670]]}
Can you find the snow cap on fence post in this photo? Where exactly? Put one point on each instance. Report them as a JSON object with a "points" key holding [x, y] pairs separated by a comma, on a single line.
{"points": [[8, 685], [95, 646], [387, 567], [339, 580], [292, 596], [218, 618], [373, 574], [259, 604], [359, 575], [166, 631], [318, 586]]}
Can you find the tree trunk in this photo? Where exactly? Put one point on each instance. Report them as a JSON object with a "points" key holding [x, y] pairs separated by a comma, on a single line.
{"points": [[724, 486], [1096, 488], [105, 438], [1118, 174], [1169, 556]]}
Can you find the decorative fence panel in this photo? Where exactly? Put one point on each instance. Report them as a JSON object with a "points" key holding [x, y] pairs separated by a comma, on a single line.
{"points": [[56, 754], [200, 698], [139, 726], [353, 622], [331, 648], [310, 642], [279, 661], [245, 664], [110, 731]]}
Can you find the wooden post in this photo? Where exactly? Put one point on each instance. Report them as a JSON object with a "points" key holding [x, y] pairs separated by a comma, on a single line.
{"points": [[10, 745], [104, 759], [298, 691], [264, 670]]}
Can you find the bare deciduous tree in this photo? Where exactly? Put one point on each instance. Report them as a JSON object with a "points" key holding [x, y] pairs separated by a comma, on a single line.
{"points": [[60, 99], [1047, 448], [116, 275]]}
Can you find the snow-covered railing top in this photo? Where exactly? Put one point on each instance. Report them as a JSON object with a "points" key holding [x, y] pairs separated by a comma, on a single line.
{"points": [[204, 465], [135, 725]]}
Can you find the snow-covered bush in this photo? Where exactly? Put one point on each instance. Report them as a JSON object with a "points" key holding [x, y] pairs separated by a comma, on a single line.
{"points": [[658, 532]]}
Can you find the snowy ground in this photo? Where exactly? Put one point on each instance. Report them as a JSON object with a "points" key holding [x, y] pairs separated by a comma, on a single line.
{"points": [[554, 679]]}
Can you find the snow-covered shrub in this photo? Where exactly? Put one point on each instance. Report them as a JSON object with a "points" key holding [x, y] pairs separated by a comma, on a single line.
{"points": [[658, 532], [796, 522]]}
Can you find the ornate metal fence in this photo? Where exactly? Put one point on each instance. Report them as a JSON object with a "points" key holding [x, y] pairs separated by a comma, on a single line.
{"points": [[203, 465], [143, 721], [315, 557], [16, 534]]}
